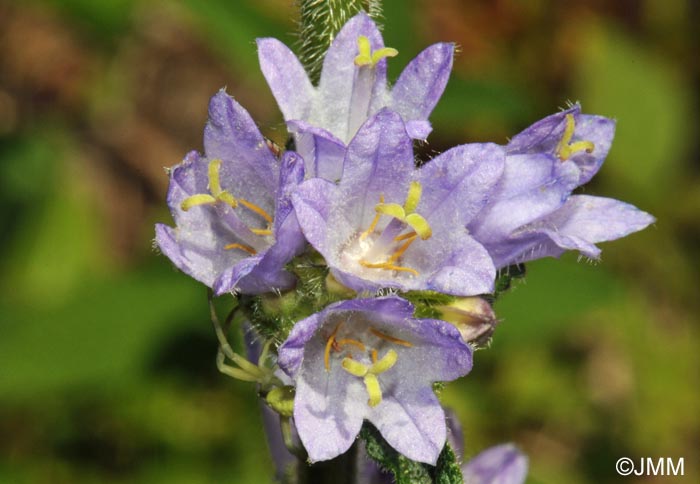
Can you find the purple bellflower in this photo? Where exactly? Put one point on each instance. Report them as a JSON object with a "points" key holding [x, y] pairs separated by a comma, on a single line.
{"points": [[352, 87], [234, 223], [532, 213], [388, 224], [370, 359]]}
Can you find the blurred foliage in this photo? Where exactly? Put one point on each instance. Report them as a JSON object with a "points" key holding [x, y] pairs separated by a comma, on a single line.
{"points": [[107, 355]]}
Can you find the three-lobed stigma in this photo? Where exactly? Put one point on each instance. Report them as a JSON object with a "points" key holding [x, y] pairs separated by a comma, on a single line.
{"points": [[368, 372], [365, 56], [217, 194]]}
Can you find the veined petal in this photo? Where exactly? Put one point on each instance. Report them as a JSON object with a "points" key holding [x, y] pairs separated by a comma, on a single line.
{"points": [[411, 420], [286, 77], [231, 135], [460, 180], [323, 153], [340, 75], [422, 82]]}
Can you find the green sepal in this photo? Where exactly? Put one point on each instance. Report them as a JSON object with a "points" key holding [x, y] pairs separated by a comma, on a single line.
{"points": [[426, 303], [505, 277], [406, 471]]}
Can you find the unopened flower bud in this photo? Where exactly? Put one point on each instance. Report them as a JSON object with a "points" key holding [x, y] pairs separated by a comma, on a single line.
{"points": [[473, 317], [281, 400]]}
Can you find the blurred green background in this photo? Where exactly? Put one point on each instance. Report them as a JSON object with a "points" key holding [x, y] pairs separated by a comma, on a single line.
{"points": [[106, 352]]}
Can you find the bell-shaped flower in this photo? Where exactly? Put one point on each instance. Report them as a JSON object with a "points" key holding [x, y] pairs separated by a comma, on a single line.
{"points": [[369, 359], [352, 87], [235, 228], [387, 224], [532, 213]]}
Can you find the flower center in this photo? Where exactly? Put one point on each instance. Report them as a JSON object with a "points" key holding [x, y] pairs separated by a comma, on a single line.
{"points": [[392, 242], [566, 148], [355, 349], [217, 196]]}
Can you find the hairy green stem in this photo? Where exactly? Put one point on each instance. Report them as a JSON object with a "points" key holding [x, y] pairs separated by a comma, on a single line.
{"points": [[320, 21]]}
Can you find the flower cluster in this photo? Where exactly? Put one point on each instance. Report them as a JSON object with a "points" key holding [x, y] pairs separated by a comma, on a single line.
{"points": [[350, 198]]}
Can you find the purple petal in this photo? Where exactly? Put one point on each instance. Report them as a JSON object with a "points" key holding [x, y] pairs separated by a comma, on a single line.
{"points": [[467, 271], [231, 135], [411, 420], [532, 187], [584, 221], [543, 136], [379, 161], [503, 464], [339, 76], [286, 77], [601, 132], [418, 129], [422, 82], [323, 153], [312, 204], [460, 180]]}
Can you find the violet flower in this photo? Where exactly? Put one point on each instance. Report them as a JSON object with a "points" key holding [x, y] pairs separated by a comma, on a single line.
{"points": [[532, 213], [387, 224], [370, 359], [352, 87], [503, 464], [234, 224]]}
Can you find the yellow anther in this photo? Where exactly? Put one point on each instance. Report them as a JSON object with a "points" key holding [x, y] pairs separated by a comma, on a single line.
{"points": [[385, 363], [391, 339], [254, 208], [374, 356], [329, 345], [566, 148], [373, 389], [351, 342], [355, 368], [245, 248], [197, 200], [365, 56]]}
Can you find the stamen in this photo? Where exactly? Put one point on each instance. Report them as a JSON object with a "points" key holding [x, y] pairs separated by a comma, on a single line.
{"points": [[391, 339], [329, 344], [374, 356], [261, 231], [254, 208], [373, 225], [352, 342], [399, 252], [388, 266], [418, 223], [373, 389], [197, 200], [565, 148], [245, 248], [404, 236]]}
